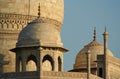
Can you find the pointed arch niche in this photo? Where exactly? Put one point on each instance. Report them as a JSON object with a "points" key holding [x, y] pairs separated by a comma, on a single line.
{"points": [[31, 64], [47, 63]]}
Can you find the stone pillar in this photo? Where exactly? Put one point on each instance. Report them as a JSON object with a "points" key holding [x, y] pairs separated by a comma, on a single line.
{"points": [[55, 64], [17, 67], [23, 64], [105, 38], [88, 65], [40, 62]]}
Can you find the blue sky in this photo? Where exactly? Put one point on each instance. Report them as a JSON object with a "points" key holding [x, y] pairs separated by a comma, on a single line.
{"points": [[81, 16]]}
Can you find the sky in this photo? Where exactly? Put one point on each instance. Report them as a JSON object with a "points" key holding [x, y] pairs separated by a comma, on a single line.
{"points": [[80, 18]]}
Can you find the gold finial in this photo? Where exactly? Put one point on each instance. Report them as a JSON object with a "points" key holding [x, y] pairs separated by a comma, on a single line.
{"points": [[39, 10], [94, 33]]}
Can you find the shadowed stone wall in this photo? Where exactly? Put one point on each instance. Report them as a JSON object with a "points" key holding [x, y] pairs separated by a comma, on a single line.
{"points": [[47, 75]]}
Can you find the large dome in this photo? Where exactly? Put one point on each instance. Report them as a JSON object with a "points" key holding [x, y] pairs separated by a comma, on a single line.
{"points": [[24, 7], [37, 33], [95, 49]]}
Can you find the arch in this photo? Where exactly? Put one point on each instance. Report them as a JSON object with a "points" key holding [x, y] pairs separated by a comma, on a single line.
{"points": [[5, 26], [15, 26], [10, 26], [49, 62], [59, 64], [31, 64]]}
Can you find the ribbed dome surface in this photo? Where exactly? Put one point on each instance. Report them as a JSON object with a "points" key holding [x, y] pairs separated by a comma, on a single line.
{"points": [[95, 49], [39, 33]]}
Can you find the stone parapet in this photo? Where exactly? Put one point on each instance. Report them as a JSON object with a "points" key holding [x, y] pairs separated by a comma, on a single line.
{"points": [[66, 75], [47, 75], [20, 75]]}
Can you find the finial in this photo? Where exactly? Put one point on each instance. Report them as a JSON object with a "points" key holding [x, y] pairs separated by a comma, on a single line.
{"points": [[105, 36], [105, 29], [94, 33], [39, 10], [106, 33]]}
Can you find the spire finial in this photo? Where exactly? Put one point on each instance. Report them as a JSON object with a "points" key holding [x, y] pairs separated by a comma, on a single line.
{"points": [[105, 28], [94, 34], [105, 36], [39, 10]]}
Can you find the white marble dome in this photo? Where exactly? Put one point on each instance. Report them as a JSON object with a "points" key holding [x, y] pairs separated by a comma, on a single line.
{"points": [[39, 33]]}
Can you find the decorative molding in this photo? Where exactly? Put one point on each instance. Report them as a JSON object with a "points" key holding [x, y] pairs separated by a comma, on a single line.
{"points": [[18, 21], [14, 21], [16, 16], [2, 31]]}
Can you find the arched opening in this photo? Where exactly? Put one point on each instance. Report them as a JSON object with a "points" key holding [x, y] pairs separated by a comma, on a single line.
{"points": [[20, 65], [47, 63], [59, 64], [31, 63]]}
